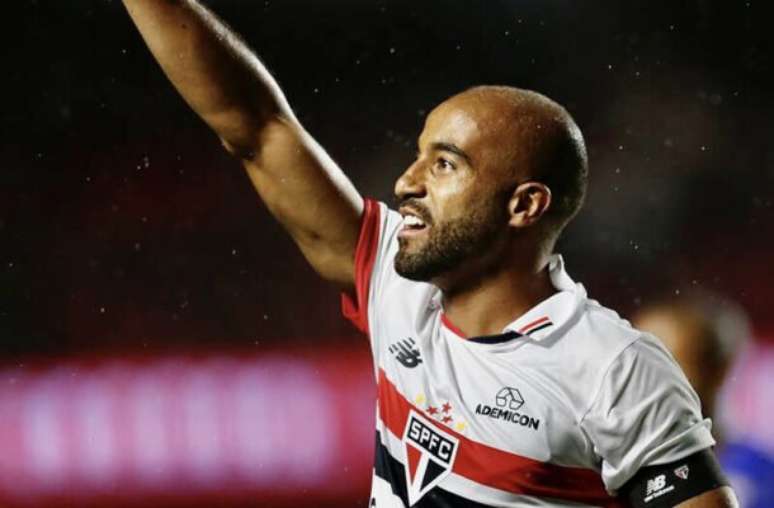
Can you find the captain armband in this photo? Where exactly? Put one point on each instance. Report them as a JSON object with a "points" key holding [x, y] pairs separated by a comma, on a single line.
{"points": [[666, 485]]}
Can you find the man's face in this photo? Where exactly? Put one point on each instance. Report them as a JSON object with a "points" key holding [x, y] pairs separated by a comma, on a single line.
{"points": [[453, 197]]}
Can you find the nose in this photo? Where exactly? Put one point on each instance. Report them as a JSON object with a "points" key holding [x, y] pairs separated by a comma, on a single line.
{"points": [[411, 183]]}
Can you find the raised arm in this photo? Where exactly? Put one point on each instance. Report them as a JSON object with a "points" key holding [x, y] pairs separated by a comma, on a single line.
{"points": [[226, 84]]}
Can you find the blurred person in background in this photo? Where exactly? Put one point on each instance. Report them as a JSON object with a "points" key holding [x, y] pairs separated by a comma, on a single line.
{"points": [[500, 383], [705, 333]]}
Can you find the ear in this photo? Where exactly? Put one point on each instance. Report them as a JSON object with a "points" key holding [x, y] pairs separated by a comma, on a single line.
{"points": [[529, 202]]}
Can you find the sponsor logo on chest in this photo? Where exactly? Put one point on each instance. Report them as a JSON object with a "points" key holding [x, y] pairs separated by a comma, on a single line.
{"points": [[430, 454], [508, 407]]}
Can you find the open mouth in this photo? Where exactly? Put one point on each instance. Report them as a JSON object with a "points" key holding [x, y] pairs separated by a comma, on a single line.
{"points": [[412, 225]]}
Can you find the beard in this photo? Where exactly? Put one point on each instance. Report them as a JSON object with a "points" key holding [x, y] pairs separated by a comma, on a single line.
{"points": [[450, 244]]}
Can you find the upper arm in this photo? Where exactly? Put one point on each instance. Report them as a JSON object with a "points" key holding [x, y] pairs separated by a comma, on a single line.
{"points": [[309, 194], [645, 413], [722, 497], [647, 427], [696, 481]]}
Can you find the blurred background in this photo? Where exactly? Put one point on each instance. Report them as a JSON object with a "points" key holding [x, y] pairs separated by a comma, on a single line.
{"points": [[162, 342]]}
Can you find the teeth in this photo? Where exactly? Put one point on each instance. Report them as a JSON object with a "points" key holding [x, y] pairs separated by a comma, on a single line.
{"points": [[413, 221]]}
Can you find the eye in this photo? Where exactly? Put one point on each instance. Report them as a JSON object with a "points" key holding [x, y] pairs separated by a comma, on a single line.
{"points": [[444, 164]]}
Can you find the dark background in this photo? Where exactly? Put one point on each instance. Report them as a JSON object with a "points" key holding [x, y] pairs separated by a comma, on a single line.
{"points": [[124, 226]]}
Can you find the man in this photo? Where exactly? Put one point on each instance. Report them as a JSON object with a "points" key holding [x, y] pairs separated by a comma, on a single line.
{"points": [[705, 333], [500, 383]]}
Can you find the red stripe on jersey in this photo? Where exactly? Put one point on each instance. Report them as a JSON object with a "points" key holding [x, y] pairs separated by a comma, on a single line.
{"points": [[497, 468], [526, 327], [452, 327], [356, 310], [413, 455]]}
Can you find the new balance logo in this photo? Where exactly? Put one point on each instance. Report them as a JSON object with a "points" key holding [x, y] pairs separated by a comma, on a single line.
{"points": [[657, 487], [656, 484], [406, 353]]}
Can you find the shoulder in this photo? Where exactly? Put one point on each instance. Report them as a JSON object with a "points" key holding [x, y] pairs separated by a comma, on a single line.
{"points": [[637, 369], [608, 339], [378, 288], [597, 339], [394, 302], [610, 355], [642, 410], [607, 332], [629, 346]]}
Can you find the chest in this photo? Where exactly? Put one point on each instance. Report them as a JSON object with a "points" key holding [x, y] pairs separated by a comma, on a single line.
{"points": [[514, 401]]}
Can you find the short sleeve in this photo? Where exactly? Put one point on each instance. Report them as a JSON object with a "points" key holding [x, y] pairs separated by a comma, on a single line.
{"points": [[355, 307], [373, 260], [645, 413]]}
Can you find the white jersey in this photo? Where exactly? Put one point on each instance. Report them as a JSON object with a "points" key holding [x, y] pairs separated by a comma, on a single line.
{"points": [[561, 409]]}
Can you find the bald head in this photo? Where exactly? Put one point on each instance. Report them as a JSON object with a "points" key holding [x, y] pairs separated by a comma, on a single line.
{"points": [[536, 139], [499, 171]]}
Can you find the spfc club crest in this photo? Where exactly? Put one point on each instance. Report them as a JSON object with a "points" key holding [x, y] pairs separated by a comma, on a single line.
{"points": [[682, 472], [430, 454]]}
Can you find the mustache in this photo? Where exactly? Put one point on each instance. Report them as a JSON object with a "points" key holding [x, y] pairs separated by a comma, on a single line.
{"points": [[416, 206]]}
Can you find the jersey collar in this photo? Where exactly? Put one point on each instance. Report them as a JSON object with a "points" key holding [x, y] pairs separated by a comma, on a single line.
{"points": [[553, 313], [542, 320]]}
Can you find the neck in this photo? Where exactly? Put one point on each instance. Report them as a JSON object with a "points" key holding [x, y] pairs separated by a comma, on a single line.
{"points": [[498, 298]]}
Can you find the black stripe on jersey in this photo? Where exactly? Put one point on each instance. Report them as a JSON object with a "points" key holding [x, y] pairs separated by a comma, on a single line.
{"points": [[541, 327], [392, 471], [496, 339]]}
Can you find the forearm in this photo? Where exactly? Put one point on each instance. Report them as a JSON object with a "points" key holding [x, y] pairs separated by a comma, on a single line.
{"points": [[212, 69]]}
